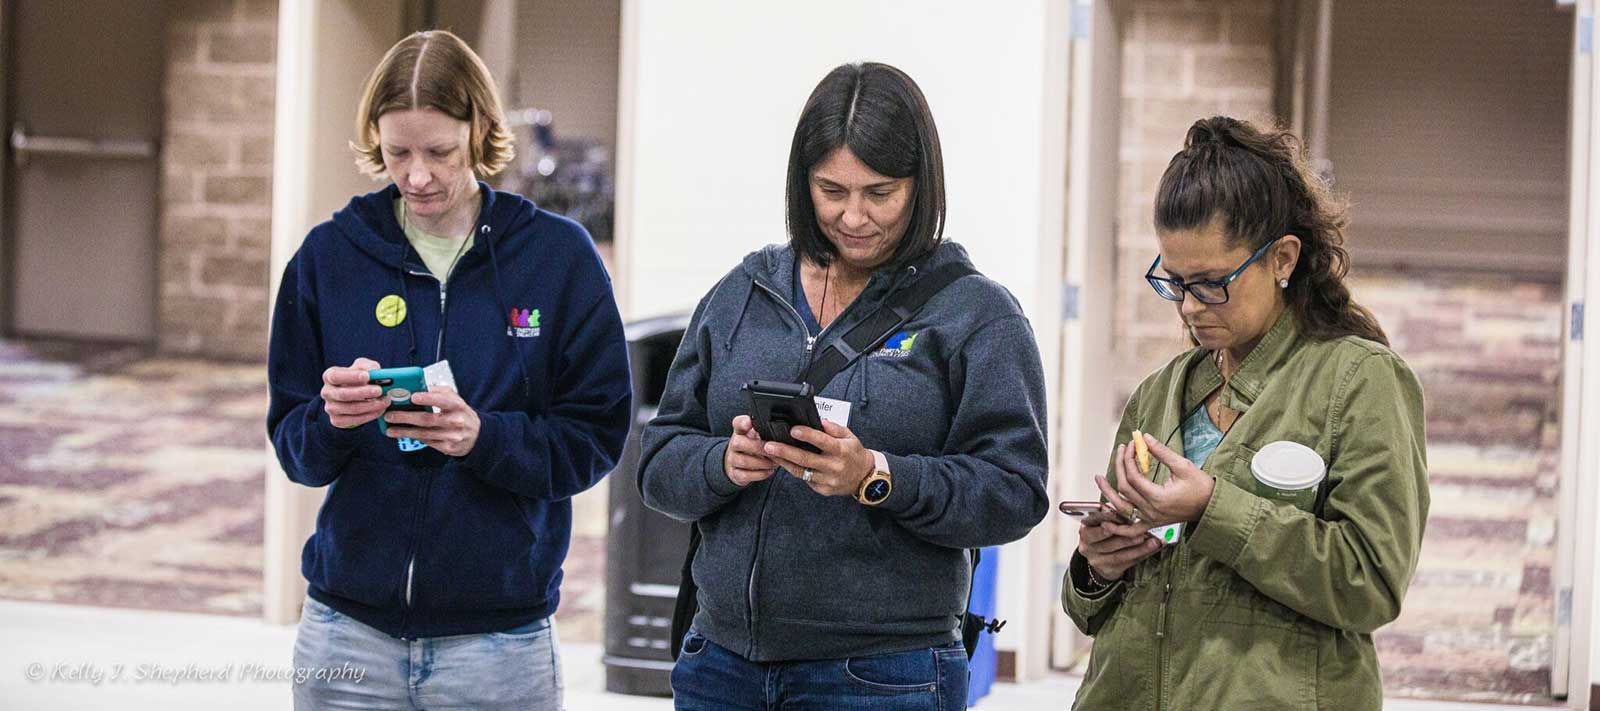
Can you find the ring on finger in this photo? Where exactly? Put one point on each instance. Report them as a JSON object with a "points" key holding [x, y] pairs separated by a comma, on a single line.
{"points": [[1135, 515], [806, 477]]}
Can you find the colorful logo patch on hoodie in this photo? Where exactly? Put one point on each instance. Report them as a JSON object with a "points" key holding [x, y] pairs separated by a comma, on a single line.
{"points": [[898, 346], [524, 323]]}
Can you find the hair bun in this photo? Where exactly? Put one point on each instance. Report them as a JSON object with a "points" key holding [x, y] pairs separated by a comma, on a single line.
{"points": [[1214, 131]]}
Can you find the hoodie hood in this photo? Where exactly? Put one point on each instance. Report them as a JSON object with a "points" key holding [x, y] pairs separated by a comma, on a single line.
{"points": [[368, 222], [773, 267]]}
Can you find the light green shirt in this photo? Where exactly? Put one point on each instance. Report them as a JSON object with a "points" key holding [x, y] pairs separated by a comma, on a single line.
{"points": [[438, 253]]}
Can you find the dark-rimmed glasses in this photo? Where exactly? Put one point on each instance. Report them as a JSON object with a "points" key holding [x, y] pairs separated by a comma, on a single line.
{"points": [[1206, 291]]}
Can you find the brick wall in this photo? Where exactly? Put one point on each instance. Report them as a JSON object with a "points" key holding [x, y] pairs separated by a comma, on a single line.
{"points": [[216, 193], [1181, 61]]}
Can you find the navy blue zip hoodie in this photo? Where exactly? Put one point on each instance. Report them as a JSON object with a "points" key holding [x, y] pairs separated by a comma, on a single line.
{"points": [[419, 544]]}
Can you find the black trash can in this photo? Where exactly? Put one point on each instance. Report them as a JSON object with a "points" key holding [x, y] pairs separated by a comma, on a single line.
{"points": [[644, 549]]}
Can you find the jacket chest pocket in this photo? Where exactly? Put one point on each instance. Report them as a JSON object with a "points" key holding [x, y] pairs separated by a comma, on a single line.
{"points": [[1239, 469]]}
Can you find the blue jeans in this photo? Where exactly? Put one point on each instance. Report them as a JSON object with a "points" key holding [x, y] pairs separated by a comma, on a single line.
{"points": [[344, 664], [708, 677]]}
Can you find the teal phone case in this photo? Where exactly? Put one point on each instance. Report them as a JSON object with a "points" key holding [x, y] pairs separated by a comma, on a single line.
{"points": [[399, 384]]}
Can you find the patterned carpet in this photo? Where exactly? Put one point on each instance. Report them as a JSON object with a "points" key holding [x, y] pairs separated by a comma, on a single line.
{"points": [[130, 481]]}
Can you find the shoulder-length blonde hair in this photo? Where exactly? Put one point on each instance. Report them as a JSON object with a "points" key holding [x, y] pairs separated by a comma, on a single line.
{"points": [[434, 70]]}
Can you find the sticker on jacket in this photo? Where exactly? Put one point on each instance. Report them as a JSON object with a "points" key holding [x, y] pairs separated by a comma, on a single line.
{"points": [[391, 310], [898, 346], [524, 323]]}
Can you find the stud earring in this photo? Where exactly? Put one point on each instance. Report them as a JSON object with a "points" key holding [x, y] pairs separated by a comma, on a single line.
{"points": [[1283, 283]]}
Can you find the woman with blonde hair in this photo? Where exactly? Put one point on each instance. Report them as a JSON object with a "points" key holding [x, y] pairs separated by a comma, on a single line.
{"points": [[436, 561]]}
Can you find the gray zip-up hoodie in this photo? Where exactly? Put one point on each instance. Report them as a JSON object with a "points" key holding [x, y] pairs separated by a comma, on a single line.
{"points": [[959, 411]]}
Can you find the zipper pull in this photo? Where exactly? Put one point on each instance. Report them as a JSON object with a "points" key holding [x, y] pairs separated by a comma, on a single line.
{"points": [[1161, 619]]}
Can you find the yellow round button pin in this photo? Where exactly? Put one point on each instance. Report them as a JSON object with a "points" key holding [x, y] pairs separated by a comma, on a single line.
{"points": [[391, 310]]}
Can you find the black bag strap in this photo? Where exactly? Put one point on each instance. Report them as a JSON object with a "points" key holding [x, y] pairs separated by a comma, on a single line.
{"points": [[872, 331], [972, 624], [683, 608]]}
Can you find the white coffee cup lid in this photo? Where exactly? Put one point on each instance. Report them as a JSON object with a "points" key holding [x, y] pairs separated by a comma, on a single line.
{"points": [[1288, 466]]}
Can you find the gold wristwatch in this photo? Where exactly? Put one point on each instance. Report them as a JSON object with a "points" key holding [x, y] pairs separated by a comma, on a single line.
{"points": [[879, 484]]}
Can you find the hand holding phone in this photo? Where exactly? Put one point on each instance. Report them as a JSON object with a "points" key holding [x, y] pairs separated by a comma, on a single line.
{"points": [[1094, 513], [348, 398], [744, 462]]}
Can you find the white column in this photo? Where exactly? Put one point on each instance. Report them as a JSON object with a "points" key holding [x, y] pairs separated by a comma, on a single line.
{"points": [[326, 49], [1574, 591], [282, 586], [1586, 641], [1087, 362]]}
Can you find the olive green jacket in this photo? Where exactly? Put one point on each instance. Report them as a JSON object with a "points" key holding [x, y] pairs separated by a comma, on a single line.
{"points": [[1262, 605]]}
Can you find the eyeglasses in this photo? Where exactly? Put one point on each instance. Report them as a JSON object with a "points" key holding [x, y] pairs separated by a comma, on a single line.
{"points": [[1206, 291]]}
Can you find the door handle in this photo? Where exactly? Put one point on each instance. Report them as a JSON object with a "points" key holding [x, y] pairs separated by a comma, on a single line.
{"points": [[23, 145]]}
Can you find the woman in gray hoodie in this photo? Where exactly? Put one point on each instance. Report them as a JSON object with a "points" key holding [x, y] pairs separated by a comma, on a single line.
{"points": [[837, 579]]}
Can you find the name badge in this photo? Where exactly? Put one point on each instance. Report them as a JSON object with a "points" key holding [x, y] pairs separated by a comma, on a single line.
{"points": [[835, 411]]}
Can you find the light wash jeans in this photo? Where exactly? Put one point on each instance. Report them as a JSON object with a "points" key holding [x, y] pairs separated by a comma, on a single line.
{"points": [[348, 665]]}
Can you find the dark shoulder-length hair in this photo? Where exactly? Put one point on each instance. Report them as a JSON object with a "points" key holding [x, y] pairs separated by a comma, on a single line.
{"points": [[1258, 187], [877, 112]]}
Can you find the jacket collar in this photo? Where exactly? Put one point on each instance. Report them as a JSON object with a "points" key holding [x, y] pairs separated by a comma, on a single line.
{"points": [[1275, 349]]}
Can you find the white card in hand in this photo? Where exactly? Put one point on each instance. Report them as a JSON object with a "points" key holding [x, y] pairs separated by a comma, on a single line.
{"points": [[438, 375], [1168, 534], [835, 411]]}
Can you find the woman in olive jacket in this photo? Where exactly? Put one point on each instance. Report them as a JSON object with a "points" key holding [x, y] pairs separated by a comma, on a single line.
{"points": [[1264, 602]]}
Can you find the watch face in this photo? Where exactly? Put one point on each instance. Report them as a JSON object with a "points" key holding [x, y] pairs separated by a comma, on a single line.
{"points": [[877, 491]]}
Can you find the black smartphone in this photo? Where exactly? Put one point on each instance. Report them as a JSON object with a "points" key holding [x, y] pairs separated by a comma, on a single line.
{"points": [[776, 407]]}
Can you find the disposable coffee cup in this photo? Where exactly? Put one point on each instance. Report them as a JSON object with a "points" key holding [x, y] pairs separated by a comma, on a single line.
{"points": [[1288, 472]]}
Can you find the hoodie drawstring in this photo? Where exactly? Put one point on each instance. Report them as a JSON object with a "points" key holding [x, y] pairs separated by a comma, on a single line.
{"points": [[866, 389], [749, 289], [505, 309], [405, 298], [866, 360]]}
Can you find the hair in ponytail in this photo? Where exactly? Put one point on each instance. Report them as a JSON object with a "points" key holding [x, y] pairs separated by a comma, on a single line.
{"points": [[1258, 187]]}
